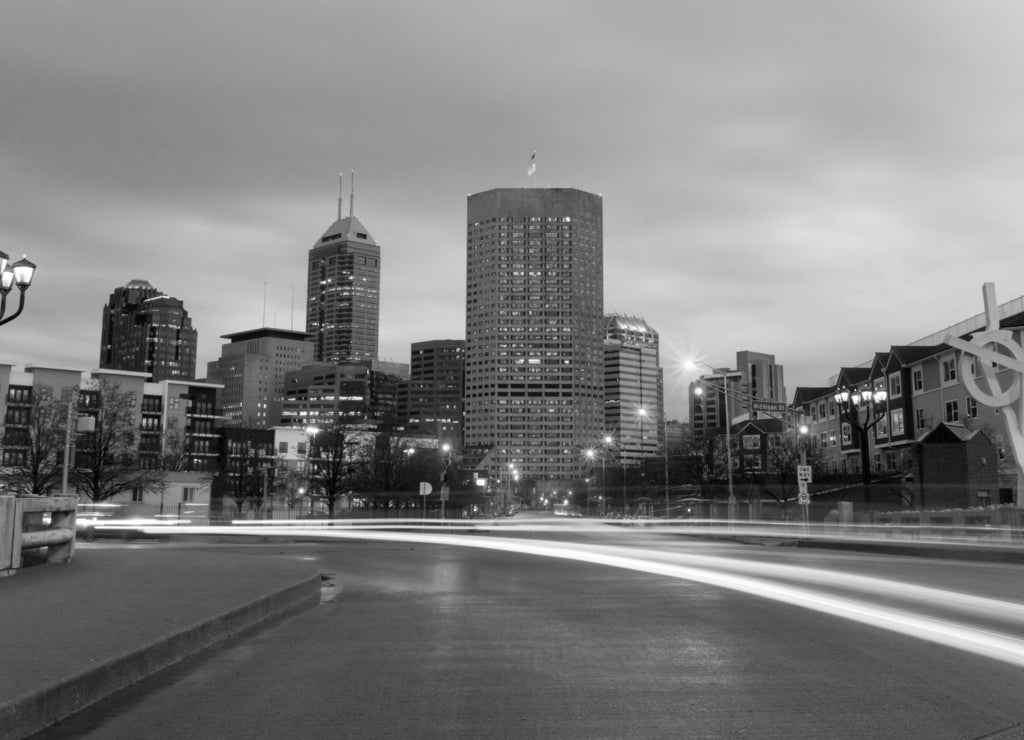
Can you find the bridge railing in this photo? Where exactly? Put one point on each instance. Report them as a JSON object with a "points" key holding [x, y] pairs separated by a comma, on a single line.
{"points": [[35, 523]]}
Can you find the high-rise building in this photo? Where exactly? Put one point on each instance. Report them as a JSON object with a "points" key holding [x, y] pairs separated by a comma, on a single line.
{"points": [[634, 403], [146, 331], [762, 378], [430, 402], [343, 292], [324, 394], [534, 329], [756, 391], [252, 367]]}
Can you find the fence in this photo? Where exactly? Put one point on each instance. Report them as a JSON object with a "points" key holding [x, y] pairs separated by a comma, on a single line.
{"points": [[982, 523], [34, 523]]}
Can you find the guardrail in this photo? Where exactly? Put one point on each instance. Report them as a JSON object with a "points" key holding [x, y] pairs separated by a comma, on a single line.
{"points": [[34, 523]]}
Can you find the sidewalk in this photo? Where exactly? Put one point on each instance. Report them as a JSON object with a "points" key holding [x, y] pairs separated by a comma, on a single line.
{"points": [[73, 634]]}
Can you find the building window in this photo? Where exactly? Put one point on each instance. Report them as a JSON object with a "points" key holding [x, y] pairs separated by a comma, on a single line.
{"points": [[137, 494], [952, 411], [282, 448], [971, 408], [188, 495], [895, 385], [948, 370], [917, 378], [919, 418], [847, 433], [897, 422]]}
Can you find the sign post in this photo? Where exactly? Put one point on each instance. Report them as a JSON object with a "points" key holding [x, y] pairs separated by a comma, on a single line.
{"points": [[804, 498], [425, 489]]}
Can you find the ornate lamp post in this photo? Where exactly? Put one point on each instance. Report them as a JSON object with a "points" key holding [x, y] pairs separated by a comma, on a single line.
{"points": [[851, 403], [20, 274]]}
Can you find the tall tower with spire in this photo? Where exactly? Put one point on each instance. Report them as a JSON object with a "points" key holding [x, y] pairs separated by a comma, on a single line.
{"points": [[343, 291]]}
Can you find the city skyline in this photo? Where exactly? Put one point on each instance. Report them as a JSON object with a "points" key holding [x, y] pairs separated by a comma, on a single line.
{"points": [[769, 184]]}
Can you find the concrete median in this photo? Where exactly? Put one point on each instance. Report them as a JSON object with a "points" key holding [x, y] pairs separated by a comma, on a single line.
{"points": [[75, 634]]}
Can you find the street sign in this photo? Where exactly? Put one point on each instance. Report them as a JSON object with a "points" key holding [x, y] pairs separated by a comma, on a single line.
{"points": [[444, 493], [425, 489], [804, 499], [802, 487], [803, 473], [773, 406]]}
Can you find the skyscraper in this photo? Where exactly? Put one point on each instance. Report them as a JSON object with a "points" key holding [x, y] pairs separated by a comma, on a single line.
{"points": [[430, 402], [634, 413], [534, 329], [148, 332], [343, 292], [252, 369]]}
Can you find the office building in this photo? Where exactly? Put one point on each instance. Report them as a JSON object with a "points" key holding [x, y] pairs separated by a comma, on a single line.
{"points": [[534, 329], [343, 292], [430, 402], [252, 368], [360, 393], [634, 404], [146, 331]]}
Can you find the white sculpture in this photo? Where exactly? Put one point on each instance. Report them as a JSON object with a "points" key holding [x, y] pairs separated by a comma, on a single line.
{"points": [[983, 346]]}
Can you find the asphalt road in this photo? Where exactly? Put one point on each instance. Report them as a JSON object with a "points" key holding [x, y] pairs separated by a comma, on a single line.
{"points": [[424, 640]]}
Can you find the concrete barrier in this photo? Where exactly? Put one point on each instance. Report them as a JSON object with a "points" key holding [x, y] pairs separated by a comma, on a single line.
{"points": [[34, 523]]}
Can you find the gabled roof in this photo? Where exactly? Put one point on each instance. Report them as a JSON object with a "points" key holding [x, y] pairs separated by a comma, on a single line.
{"points": [[764, 426], [907, 354], [853, 375], [348, 229], [946, 432], [806, 394]]}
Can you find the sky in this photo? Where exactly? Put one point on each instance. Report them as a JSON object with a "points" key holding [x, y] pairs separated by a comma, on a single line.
{"points": [[815, 180]]}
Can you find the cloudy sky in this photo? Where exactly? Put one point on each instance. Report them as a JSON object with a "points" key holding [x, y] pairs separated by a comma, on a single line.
{"points": [[817, 180]]}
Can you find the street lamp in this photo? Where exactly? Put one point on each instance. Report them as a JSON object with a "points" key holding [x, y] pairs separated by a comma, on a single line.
{"points": [[590, 464], [724, 376], [20, 274], [446, 459], [642, 414], [850, 403], [312, 431]]}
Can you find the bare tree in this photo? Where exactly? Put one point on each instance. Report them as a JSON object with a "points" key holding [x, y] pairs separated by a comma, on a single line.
{"points": [[40, 468], [242, 477], [107, 459], [340, 456], [784, 456]]}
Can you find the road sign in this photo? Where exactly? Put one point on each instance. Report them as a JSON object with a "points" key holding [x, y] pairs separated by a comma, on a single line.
{"points": [[772, 406], [444, 493], [802, 486], [804, 499], [425, 489], [803, 473]]}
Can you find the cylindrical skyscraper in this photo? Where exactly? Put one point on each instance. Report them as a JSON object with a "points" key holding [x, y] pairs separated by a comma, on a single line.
{"points": [[534, 329]]}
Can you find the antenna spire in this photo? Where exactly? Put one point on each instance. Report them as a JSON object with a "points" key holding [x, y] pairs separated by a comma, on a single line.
{"points": [[341, 190], [352, 195]]}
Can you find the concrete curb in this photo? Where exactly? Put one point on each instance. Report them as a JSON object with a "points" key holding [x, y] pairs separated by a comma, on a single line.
{"points": [[30, 713]]}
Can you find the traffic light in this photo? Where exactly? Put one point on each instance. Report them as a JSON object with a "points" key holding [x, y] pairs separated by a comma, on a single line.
{"points": [[271, 472]]}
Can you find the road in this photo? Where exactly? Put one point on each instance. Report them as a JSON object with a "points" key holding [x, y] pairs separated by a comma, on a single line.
{"points": [[637, 636]]}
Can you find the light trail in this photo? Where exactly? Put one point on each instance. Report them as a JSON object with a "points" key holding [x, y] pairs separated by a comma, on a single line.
{"points": [[719, 572]]}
